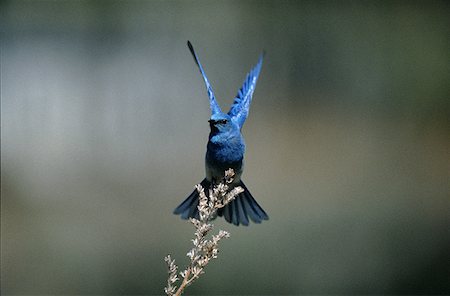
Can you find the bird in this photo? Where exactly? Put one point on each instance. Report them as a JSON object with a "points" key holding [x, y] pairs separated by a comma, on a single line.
{"points": [[225, 149]]}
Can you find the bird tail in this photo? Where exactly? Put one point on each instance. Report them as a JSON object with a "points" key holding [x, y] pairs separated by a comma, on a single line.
{"points": [[188, 208], [238, 211], [243, 207]]}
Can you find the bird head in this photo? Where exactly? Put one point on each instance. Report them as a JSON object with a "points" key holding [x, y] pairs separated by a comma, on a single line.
{"points": [[220, 122]]}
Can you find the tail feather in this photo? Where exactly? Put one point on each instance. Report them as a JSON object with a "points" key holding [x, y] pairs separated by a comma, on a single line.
{"points": [[234, 213], [188, 208], [238, 211], [193, 210], [226, 213], [242, 211], [252, 214], [243, 207], [186, 204], [253, 204]]}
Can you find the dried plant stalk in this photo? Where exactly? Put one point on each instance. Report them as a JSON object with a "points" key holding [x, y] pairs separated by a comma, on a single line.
{"points": [[204, 248]]}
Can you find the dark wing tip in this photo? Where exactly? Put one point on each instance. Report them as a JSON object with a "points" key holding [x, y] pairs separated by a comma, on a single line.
{"points": [[191, 49]]}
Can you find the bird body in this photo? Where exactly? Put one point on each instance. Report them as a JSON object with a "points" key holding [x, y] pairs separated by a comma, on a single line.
{"points": [[225, 150]]}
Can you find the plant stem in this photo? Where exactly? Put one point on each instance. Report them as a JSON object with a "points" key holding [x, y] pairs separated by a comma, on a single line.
{"points": [[183, 284]]}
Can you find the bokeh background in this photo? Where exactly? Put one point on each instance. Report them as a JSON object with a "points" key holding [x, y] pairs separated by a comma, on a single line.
{"points": [[104, 125]]}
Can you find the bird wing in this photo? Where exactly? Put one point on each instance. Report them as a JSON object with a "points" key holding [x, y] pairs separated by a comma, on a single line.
{"points": [[215, 108], [241, 105]]}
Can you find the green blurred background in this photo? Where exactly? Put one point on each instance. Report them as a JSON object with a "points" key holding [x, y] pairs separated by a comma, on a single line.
{"points": [[104, 125]]}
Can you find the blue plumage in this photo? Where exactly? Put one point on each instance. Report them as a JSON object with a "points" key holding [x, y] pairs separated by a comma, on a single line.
{"points": [[225, 149]]}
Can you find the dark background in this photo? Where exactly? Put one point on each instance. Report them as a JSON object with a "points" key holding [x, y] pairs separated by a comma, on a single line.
{"points": [[104, 125]]}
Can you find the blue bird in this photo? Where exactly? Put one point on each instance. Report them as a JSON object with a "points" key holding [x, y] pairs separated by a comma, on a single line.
{"points": [[225, 149]]}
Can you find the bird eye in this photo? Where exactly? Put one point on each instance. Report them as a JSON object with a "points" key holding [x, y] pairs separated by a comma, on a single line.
{"points": [[224, 121]]}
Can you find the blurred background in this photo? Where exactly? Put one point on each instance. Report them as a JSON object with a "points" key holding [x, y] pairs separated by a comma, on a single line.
{"points": [[104, 129]]}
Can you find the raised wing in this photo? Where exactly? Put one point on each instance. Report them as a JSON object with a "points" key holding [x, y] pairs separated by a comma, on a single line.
{"points": [[212, 99], [241, 105]]}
